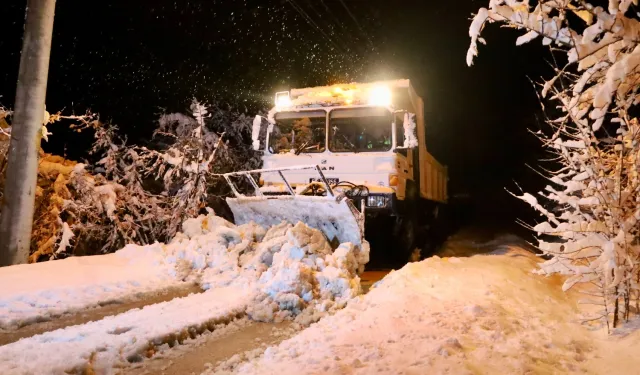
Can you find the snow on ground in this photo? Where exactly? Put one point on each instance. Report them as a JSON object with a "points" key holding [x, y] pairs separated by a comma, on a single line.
{"points": [[480, 315], [283, 272], [111, 342], [211, 251]]}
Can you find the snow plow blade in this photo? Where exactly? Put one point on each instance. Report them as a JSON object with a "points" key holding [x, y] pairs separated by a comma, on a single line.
{"points": [[335, 216], [334, 219]]}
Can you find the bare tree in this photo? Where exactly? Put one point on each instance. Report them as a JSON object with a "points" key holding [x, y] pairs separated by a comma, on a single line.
{"points": [[19, 193]]}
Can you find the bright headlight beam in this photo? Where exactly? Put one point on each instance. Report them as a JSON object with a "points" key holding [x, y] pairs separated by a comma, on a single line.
{"points": [[283, 100], [380, 96]]}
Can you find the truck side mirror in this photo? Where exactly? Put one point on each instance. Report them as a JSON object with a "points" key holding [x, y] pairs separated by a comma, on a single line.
{"points": [[255, 132], [260, 134]]}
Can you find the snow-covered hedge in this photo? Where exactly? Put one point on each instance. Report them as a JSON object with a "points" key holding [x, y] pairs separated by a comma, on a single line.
{"points": [[595, 141], [134, 194]]}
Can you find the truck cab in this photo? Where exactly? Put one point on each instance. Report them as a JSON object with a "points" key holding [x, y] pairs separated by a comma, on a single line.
{"points": [[368, 140]]}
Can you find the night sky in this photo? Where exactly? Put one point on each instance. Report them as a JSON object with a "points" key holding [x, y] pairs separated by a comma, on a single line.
{"points": [[129, 60]]}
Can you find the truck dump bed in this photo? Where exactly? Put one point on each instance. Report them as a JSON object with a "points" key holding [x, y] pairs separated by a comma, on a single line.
{"points": [[433, 175]]}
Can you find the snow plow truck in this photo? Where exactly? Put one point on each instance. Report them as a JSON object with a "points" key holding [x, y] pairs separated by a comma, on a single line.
{"points": [[349, 160]]}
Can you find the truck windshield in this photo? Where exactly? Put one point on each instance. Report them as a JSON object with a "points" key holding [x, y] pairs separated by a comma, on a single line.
{"points": [[299, 131], [360, 130]]}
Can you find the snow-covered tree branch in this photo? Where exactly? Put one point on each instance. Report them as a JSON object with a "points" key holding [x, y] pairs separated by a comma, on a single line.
{"points": [[596, 139]]}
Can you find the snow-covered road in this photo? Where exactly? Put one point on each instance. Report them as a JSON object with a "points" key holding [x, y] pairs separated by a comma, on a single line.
{"points": [[267, 274], [41, 291], [462, 314], [230, 345], [483, 314], [129, 337]]}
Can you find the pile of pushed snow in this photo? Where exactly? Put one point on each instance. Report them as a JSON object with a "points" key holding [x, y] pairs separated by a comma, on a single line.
{"points": [[292, 269], [304, 275]]}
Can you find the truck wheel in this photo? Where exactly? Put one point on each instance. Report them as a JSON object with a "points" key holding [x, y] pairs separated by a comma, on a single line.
{"points": [[407, 227], [408, 236], [405, 240]]}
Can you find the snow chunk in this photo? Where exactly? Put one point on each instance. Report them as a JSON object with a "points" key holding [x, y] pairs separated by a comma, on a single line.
{"points": [[67, 235]]}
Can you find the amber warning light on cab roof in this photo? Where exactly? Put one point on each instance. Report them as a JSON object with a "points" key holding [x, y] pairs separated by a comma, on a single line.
{"points": [[375, 96]]}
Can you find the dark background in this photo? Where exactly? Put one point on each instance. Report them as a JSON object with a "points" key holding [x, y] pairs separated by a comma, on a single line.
{"points": [[130, 60]]}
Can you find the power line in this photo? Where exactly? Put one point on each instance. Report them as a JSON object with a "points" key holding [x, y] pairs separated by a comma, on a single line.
{"points": [[337, 21], [330, 26], [312, 23], [357, 24]]}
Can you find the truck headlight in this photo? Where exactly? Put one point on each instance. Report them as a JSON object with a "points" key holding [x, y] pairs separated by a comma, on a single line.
{"points": [[377, 201], [283, 100], [380, 96]]}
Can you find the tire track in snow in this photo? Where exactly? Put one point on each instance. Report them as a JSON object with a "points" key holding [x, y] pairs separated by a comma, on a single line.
{"points": [[93, 314], [228, 346], [118, 340]]}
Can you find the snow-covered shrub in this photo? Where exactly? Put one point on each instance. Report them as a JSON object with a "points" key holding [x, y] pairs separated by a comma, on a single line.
{"points": [[190, 150], [213, 140], [595, 139], [144, 194], [133, 194], [49, 231]]}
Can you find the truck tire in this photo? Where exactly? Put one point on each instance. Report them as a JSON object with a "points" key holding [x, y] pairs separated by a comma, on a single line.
{"points": [[406, 240], [406, 228], [438, 232]]}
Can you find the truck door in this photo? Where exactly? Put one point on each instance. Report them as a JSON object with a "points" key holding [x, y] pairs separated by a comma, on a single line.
{"points": [[403, 157]]}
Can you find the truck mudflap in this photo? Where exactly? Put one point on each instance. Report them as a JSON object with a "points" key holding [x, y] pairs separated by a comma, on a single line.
{"points": [[335, 216]]}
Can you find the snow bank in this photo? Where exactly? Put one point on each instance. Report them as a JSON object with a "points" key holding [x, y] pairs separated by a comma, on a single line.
{"points": [[305, 276], [291, 268], [485, 314]]}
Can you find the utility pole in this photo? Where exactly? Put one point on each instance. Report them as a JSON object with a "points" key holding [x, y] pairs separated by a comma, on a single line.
{"points": [[22, 169]]}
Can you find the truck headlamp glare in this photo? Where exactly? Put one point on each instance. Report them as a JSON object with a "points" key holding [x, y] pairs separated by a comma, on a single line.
{"points": [[380, 96], [283, 100]]}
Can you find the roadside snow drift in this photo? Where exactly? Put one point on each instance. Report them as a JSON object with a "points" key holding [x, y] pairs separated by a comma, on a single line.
{"points": [[269, 274], [486, 314]]}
